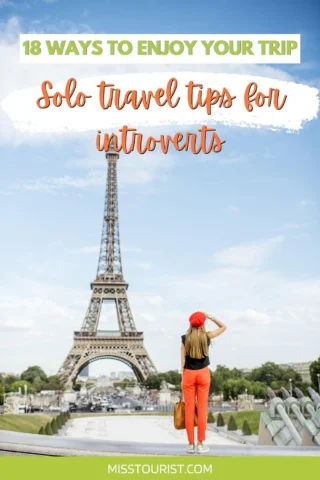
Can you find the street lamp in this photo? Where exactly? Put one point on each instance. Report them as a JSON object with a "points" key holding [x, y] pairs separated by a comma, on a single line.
{"points": [[290, 380], [318, 375]]}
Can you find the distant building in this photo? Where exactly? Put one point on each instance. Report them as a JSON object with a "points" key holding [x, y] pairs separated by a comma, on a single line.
{"points": [[303, 368], [246, 371], [128, 375], [103, 381], [119, 376]]}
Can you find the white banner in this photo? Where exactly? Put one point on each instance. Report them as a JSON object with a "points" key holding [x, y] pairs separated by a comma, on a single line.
{"points": [[159, 49], [162, 99]]}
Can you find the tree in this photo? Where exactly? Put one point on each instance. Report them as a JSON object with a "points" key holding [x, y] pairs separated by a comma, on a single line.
{"points": [[32, 373], [38, 384], [21, 384], [218, 379], [53, 383], [2, 392], [173, 377], [41, 431], [246, 430], [220, 420], [259, 390], [236, 373], [48, 429], [270, 373], [210, 418], [232, 424], [9, 380], [154, 380], [234, 387], [314, 372]]}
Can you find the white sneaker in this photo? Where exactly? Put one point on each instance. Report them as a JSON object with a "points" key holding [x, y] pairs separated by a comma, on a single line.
{"points": [[203, 448], [191, 448]]}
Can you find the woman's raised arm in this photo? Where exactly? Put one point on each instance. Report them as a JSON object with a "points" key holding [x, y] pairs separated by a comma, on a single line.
{"points": [[221, 327]]}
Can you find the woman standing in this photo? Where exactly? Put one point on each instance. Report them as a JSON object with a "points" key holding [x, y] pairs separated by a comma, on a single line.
{"points": [[196, 375]]}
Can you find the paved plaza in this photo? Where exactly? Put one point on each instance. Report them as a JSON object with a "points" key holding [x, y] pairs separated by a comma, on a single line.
{"points": [[151, 429]]}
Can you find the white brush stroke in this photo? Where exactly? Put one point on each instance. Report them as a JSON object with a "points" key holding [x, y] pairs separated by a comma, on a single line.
{"points": [[301, 106]]}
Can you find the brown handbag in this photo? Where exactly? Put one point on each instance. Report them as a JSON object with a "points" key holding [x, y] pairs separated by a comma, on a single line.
{"points": [[179, 415]]}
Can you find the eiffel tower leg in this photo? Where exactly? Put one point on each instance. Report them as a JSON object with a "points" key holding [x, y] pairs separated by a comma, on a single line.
{"points": [[146, 364], [67, 371], [91, 319]]}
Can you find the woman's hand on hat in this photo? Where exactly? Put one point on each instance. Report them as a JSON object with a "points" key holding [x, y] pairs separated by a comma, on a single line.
{"points": [[211, 317]]}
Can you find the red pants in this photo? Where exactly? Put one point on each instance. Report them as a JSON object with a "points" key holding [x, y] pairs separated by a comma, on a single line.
{"points": [[195, 386]]}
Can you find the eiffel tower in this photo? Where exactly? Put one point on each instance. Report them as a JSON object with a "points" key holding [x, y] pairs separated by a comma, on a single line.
{"points": [[126, 343]]}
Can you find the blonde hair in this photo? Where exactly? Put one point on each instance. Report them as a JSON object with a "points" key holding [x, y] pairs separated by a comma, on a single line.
{"points": [[196, 343]]}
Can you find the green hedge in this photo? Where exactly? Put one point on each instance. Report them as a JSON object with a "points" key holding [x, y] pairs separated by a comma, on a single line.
{"points": [[48, 429], [54, 427], [220, 420], [246, 430], [232, 424], [211, 418]]}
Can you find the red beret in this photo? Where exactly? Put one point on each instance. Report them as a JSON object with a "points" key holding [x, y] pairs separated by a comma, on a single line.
{"points": [[197, 319]]}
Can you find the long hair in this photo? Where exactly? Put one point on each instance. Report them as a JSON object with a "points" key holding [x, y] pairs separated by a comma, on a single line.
{"points": [[196, 343]]}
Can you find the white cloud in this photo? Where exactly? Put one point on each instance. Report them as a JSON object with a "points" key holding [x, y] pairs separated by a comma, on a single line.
{"points": [[234, 158], [250, 255], [232, 208], [251, 316], [16, 325], [290, 226], [144, 266], [305, 203], [154, 299], [133, 169], [260, 308], [148, 317], [87, 250], [52, 185], [27, 313], [131, 249], [6, 3]]}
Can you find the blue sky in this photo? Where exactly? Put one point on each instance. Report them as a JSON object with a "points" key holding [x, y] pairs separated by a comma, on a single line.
{"points": [[235, 233]]}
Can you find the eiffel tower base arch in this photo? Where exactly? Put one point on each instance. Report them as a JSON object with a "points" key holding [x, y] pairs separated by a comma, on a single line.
{"points": [[127, 348]]}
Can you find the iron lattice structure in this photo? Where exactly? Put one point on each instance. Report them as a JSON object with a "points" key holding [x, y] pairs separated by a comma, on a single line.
{"points": [[126, 343]]}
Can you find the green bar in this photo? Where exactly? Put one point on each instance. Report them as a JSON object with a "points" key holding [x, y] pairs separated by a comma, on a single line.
{"points": [[220, 468]]}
